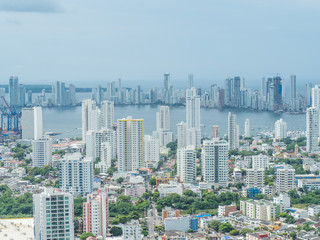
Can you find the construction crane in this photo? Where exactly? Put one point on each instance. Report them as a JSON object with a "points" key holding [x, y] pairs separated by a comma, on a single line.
{"points": [[10, 121]]}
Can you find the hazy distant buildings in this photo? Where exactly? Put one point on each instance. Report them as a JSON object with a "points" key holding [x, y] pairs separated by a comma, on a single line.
{"points": [[130, 147], [14, 91], [31, 121], [293, 90]]}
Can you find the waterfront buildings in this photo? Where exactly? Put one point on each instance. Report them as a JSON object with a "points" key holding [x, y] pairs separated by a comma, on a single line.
{"points": [[31, 122]]}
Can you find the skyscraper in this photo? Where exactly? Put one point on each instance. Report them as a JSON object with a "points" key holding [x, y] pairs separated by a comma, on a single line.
{"points": [[214, 162], [14, 91], [105, 157], [130, 145], [247, 128], [76, 174], [190, 81], [41, 152], [87, 106], [96, 213], [163, 126], [107, 113], [166, 78], [285, 179], [182, 134], [186, 164], [31, 121], [22, 96], [312, 127], [233, 132], [53, 215], [193, 117], [315, 96], [293, 90]]}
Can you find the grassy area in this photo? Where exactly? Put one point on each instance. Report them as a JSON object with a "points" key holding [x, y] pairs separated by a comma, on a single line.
{"points": [[303, 206]]}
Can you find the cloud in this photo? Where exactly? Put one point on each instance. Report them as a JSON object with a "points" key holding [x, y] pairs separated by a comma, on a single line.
{"points": [[48, 6]]}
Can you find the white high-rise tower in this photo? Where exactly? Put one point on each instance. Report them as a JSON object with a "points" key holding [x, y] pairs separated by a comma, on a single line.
{"points": [[193, 117], [31, 121], [107, 114], [186, 164], [247, 128], [87, 106], [163, 126], [280, 129], [130, 145], [312, 127], [233, 132], [214, 162]]}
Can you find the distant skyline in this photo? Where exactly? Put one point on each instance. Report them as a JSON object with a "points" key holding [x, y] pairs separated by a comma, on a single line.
{"points": [[92, 42]]}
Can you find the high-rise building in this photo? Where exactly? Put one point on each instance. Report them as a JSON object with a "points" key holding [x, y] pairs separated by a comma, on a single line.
{"points": [[76, 174], [315, 96], [277, 93], [235, 99], [107, 113], [247, 128], [53, 215], [41, 151], [151, 151], [285, 179], [181, 134], [312, 128], [163, 126], [87, 106], [255, 178], [280, 129], [260, 161], [31, 121], [233, 132], [95, 139], [215, 131], [308, 94], [14, 91], [130, 144], [293, 90], [190, 81], [193, 117], [214, 162], [106, 157], [22, 96], [96, 213], [163, 119], [186, 164]]}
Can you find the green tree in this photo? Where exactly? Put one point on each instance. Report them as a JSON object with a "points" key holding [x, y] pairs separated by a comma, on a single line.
{"points": [[153, 182], [78, 206], [293, 235], [290, 219], [234, 232], [225, 228], [96, 171], [215, 225], [84, 236], [116, 231], [120, 180]]}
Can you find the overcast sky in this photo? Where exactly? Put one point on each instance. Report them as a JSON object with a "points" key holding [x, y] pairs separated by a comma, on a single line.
{"points": [[87, 42]]}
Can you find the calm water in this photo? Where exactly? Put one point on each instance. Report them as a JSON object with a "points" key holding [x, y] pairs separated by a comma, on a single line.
{"points": [[68, 120]]}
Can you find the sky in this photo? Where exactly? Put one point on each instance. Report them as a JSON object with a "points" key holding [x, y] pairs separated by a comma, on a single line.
{"points": [[93, 42]]}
